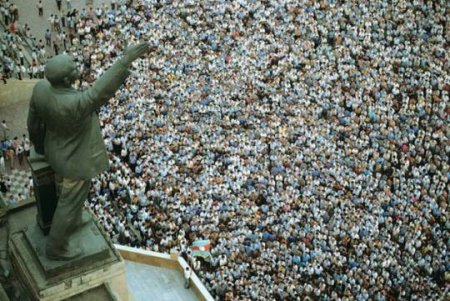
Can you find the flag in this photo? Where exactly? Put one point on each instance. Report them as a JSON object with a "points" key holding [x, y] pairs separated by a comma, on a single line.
{"points": [[201, 248]]}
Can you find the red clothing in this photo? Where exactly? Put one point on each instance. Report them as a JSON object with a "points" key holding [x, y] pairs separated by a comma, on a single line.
{"points": [[12, 27]]}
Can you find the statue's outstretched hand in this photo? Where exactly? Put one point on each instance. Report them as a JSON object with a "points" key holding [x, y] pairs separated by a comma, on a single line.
{"points": [[134, 52]]}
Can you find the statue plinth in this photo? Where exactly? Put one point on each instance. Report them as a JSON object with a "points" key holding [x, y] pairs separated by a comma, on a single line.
{"points": [[44, 190], [47, 280]]}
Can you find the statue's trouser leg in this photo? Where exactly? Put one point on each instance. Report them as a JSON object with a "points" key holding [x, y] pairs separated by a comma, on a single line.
{"points": [[72, 194]]}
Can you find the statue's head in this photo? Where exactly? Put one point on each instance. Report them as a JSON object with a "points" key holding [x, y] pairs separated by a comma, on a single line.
{"points": [[61, 71]]}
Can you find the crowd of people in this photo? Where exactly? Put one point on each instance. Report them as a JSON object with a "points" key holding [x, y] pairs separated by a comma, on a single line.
{"points": [[15, 41], [13, 154], [307, 140]]}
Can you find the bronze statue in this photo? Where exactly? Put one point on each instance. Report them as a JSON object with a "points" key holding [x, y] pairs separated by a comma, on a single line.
{"points": [[64, 127]]}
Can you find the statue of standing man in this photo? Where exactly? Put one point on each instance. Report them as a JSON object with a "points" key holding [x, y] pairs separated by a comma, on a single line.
{"points": [[64, 127]]}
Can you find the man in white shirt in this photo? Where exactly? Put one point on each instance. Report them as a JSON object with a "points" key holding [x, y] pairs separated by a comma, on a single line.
{"points": [[2, 165], [187, 277], [5, 130]]}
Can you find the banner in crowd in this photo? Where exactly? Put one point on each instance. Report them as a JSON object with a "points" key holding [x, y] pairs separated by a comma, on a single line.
{"points": [[201, 248]]}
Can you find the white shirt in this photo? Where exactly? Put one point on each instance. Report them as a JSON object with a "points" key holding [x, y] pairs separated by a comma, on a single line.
{"points": [[187, 273]]}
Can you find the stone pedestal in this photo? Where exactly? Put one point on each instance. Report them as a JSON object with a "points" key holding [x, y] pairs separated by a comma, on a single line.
{"points": [[44, 190], [100, 270]]}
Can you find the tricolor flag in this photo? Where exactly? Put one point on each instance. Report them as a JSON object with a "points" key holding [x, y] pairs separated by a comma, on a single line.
{"points": [[201, 248]]}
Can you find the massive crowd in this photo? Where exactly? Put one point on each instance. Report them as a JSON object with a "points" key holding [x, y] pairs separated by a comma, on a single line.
{"points": [[307, 140], [15, 41]]}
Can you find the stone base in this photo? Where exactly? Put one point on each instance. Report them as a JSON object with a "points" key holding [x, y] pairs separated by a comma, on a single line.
{"points": [[95, 249], [48, 280]]}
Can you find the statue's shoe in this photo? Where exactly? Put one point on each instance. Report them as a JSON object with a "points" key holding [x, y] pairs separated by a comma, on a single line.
{"points": [[68, 255]]}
